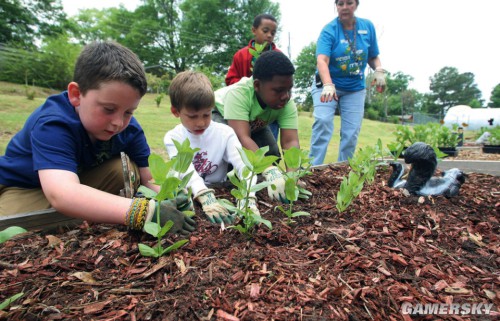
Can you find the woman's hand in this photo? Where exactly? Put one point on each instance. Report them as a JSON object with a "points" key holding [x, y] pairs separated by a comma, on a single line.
{"points": [[329, 93], [379, 79]]}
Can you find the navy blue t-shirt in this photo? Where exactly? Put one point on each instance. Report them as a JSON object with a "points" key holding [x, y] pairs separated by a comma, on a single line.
{"points": [[53, 137]]}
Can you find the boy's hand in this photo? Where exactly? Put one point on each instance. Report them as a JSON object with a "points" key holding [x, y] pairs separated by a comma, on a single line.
{"points": [[215, 212], [182, 223], [252, 205], [143, 210], [273, 174]]}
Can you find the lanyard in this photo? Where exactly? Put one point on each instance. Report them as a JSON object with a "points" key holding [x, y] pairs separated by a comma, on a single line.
{"points": [[352, 45]]}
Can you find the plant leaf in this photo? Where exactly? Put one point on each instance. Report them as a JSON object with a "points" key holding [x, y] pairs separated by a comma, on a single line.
{"points": [[9, 232], [300, 214], [152, 228], [174, 246], [147, 251], [8, 301], [158, 168], [164, 230]]}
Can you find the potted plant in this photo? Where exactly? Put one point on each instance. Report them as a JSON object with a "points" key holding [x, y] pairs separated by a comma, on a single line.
{"points": [[443, 139], [447, 140], [492, 145]]}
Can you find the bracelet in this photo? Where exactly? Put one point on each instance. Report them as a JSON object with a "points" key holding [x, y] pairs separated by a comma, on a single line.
{"points": [[137, 212], [380, 69]]}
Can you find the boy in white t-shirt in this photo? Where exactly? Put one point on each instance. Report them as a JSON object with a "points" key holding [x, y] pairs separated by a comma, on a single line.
{"points": [[192, 100]]}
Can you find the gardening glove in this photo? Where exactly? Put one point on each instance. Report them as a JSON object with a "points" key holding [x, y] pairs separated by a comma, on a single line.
{"points": [[215, 212], [379, 79], [276, 190], [328, 93], [252, 205], [182, 201], [143, 210], [182, 223]]}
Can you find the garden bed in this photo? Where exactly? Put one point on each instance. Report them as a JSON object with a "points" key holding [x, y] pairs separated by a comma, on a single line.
{"points": [[386, 249]]}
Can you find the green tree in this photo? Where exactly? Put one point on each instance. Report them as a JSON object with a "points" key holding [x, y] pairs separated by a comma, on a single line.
{"points": [[495, 97], [49, 66], [397, 99], [213, 30], [304, 74], [23, 22], [450, 88]]}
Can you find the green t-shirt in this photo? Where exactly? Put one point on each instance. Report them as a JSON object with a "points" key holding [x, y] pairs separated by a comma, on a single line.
{"points": [[239, 102]]}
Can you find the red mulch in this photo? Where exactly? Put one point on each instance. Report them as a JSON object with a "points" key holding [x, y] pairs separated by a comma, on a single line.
{"points": [[386, 249]]}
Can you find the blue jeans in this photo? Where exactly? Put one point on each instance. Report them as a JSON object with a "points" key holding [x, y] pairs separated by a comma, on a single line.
{"points": [[352, 105], [275, 129]]}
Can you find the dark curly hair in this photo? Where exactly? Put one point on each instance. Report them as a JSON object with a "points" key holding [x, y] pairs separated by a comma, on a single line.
{"points": [[272, 63]]}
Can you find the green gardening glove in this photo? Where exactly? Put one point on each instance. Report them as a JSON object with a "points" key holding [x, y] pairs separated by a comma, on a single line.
{"points": [[214, 211], [169, 212], [182, 201]]}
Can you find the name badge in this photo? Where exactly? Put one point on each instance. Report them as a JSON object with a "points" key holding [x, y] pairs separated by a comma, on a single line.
{"points": [[363, 32]]}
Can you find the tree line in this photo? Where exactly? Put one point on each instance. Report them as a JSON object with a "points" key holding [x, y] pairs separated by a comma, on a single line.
{"points": [[39, 44]]}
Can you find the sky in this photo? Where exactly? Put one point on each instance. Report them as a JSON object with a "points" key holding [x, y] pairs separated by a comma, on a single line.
{"points": [[417, 38]]}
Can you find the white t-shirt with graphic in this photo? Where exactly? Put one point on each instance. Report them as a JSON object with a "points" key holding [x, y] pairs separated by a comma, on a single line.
{"points": [[218, 148]]}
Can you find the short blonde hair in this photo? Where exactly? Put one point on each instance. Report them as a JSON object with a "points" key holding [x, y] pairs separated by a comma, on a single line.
{"points": [[191, 89]]}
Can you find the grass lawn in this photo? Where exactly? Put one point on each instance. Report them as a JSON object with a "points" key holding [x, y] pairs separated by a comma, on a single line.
{"points": [[15, 108]]}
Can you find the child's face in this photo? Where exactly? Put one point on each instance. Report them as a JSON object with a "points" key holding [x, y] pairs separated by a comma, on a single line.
{"points": [[265, 31], [195, 121], [106, 111], [276, 92]]}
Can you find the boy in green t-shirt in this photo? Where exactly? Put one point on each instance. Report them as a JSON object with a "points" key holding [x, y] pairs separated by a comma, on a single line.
{"points": [[251, 104]]}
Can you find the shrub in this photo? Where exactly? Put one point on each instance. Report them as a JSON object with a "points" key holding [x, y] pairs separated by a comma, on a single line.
{"points": [[371, 114]]}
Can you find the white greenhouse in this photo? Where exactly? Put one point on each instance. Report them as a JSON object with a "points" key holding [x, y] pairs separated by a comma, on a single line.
{"points": [[475, 118]]}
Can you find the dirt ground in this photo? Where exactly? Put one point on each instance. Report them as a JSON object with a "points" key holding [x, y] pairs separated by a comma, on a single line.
{"points": [[362, 264]]}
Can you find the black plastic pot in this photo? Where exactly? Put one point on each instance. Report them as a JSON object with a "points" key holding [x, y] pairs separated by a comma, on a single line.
{"points": [[491, 149], [450, 151]]}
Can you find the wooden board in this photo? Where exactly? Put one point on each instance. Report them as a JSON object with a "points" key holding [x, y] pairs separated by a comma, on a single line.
{"points": [[38, 220]]}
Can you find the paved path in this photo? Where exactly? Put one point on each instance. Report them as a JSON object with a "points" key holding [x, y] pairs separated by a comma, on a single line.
{"points": [[469, 166]]}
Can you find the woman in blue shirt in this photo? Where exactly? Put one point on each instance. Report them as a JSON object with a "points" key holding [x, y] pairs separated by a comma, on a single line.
{"points": [[344, 48]]}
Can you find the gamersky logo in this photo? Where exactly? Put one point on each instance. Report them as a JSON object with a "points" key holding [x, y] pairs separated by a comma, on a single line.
{"points": [[446, 309]]}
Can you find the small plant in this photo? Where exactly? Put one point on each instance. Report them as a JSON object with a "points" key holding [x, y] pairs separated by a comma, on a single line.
{"points": [[5, 235], [494, 138], [446, 137], [350, 188], [433, 134], [255, 163], [30, 92], [363, 168], [167, 174], [298, 164], [158, 99]]}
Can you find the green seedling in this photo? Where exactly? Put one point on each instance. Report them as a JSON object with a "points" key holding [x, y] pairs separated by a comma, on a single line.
{"points": [[298, 164], [5, 235], [350, 188], [363, 168], [255, 163], [167, 174]]}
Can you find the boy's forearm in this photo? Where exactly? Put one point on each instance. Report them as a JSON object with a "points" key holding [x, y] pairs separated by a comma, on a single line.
{"points": [[289, 139]]}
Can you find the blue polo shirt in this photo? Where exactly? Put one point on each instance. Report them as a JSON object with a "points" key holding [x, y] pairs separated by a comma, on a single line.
{"points": [[53, 137]]}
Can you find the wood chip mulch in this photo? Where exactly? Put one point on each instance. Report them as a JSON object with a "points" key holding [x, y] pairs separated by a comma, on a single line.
{"points": [[362, 264]]}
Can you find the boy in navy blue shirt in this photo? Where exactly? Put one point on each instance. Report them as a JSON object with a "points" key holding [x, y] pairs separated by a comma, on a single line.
{"points": [[67, 155]]}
